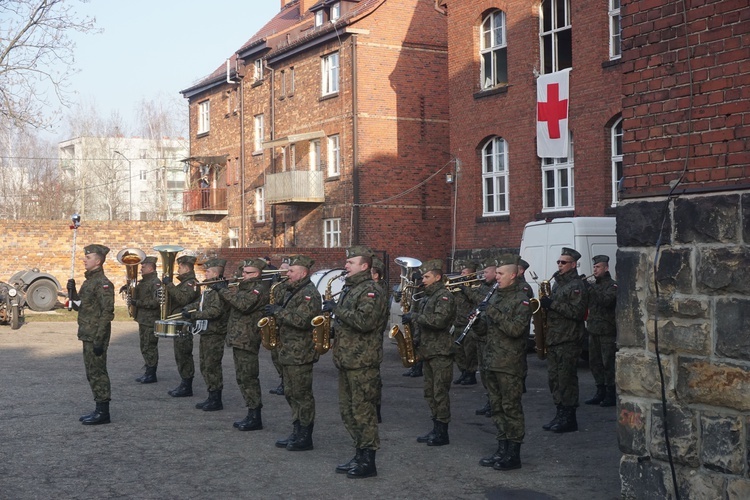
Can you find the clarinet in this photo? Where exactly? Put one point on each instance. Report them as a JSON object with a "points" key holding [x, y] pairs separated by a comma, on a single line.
{"points": [[473, 317]]}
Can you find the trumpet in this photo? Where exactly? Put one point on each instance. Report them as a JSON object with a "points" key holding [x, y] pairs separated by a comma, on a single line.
{"points": [[229, 282], [455, 286]]}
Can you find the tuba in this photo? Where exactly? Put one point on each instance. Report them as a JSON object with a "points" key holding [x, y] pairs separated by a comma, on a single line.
{"points": [[322, 322], [539, 319], [168, 254], [130, 258], [404, 339], [269, 330]]}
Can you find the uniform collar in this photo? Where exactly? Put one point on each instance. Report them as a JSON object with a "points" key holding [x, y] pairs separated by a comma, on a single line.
{"points": [[358, 278], [93, 272]]}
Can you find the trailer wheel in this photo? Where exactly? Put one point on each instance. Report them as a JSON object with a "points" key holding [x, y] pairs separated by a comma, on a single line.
{"points": [[41, 295]]}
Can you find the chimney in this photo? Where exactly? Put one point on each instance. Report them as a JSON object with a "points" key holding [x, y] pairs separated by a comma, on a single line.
{"points": [[304, 6]]}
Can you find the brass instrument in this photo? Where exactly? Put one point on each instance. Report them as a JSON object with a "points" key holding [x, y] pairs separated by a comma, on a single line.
{"points": [[130, 258], [539, 319], [455, 286], [168, 254], [269, 331], [322, 322], [404, 339], [228, 281]]}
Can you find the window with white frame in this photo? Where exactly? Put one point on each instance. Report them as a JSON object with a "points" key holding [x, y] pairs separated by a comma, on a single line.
{"points": [[319, 18], [616, 135], [234, 237], [334, 156], [493, 50], [614, 29], [331, 233], [495, 177], [556, 35], [335, 11], [315, 155], [329, 69], [142, 175], [258, 132], [204, 116], [260, 204], [258, 70], [557, 182]]}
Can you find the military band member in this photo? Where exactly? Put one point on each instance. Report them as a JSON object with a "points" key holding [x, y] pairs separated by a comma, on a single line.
{"points": [[602, 330], [179, 296], [247, 301], [378, 276], [357, 353], [466, 353], [95, 303], [147, 311], [278, 293], [433, 319], [522, 267], [566, 310], [489, 275], [300, 304], [507, 315], [210, 315]]}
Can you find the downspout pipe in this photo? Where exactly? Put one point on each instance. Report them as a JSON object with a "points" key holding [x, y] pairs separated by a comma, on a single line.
{"points": [[355, 145]]}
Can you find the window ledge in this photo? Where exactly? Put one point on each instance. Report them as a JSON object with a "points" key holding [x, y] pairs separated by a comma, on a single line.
{"points": [[256, 83], [201, 134], [330, 178], [611, 63], [554, 214], [492, 218], [257, 153], [259, 224], [328, 96], [503, 89]]}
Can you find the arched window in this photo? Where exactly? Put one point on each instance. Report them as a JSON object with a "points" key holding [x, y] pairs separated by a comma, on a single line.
{"points": [[493, 50], [495, 177], [557, 182], [616, 144]]}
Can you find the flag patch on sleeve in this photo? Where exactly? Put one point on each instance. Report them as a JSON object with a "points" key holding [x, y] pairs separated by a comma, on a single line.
{"points": [[371, 295]]}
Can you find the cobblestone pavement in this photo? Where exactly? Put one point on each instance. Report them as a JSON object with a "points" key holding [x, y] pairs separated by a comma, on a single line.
{"points": [[161, 447]]}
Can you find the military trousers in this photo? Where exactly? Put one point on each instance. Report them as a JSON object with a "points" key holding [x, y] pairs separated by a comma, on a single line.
{"points": [[480, 359], [149, 344], [562, 372], [465, 354], [275, 361], [298, 391], [247, 369], [507, 411], [96, 372], [358, 395], [438, 373], [211, 353], [183, 356], [602, 351]]}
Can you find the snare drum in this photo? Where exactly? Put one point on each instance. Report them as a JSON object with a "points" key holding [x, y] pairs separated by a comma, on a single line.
{"points": [[173, 329]]}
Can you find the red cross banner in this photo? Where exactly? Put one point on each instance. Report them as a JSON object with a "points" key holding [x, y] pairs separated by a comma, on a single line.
{"points": [[552, 99]]}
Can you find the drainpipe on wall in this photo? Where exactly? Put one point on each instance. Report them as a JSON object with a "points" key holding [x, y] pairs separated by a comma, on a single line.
{"points": [[243, 219], [273, 158], [355, 147]]}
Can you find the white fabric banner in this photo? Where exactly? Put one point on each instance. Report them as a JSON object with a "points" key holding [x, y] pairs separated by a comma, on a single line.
{"points": [[552, 99]]}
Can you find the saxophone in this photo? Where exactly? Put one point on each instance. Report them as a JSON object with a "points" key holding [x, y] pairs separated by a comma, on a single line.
{"points": [[269, 330], [540, 320], [322, 322], [404, 339]]}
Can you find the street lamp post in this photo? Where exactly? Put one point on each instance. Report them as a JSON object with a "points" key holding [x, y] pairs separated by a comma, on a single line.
{"points": [[130, 185]]}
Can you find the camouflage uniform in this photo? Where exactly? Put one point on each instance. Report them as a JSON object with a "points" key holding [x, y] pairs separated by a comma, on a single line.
{"points": [[524, 285], [246, 301], [147, 312], [466, 353], [602, 329], [357, 353], [95, 314], [180, 296], [211, 308], [278, 296], [479, 329]]}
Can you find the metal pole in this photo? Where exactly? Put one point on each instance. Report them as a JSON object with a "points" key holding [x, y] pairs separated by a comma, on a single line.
{"points": [[76, 224]]}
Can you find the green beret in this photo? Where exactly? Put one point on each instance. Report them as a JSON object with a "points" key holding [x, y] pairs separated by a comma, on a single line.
{"points": [[600, 258], [98, 249], [522, 263], [378, 265], [570, 253], [432, 265], [149, 260], [301, 260], [215, 263], [359, 251], [259, 264], [506, 259], [187, 260]]}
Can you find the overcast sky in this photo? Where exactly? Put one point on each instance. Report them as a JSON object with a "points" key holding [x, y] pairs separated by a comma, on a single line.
{"points": [[150, 48]]}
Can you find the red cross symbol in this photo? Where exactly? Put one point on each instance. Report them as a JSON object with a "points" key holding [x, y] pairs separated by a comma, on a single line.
{"points": [[553, 110]]}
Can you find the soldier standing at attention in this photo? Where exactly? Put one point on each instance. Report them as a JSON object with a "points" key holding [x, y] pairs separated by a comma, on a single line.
{"points": [[433, 320], [466, 353], [210, 317], [478, 294], [566, 310], [357, 353], [96, 309], [507, 315], [243, 335], [179, 296], [300, 304], [378, 276], [147, 312], [602, 330], [522, 267], [278, 295]]}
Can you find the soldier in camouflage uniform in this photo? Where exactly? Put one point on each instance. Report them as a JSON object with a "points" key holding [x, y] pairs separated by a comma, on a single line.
{"points": [[357, 353], [278, 290], [433, 320], [507, 315], [522, 267], [180, 296], [300, 304], [95, 304], [478, 294], [466, 353], [378, 276], [566, 310], [209, 315], [147, 312], [243, 336], [602, 330]]}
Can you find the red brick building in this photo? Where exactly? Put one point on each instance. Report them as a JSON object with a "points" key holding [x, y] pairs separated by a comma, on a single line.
{"points": [[328, 128], [497, 49]]}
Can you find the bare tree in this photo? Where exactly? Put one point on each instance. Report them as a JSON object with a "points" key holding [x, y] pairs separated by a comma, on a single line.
{"points": [[36, 57]]}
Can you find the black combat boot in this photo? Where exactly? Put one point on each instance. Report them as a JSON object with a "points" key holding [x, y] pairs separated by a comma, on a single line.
{"points": [[502, 446], [344, 468], [84, 417], [460, 378], [598, 397], [214, 401], [279, 390], [252, 422], [568, 422], [149, 377], [470, 379], [484, 410], [416, 370], [377, 412], [441, 435], [365, 467], [184, 390], [281, 443], [426, 437], [303, 442], [512, 459], [610, 398], [100, 415], [555, 420]]}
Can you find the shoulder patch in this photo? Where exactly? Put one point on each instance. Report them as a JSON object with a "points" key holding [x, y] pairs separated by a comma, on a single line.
{"points": [[105, 286], [255, 291], [525, 302], [614, 285], [577, 291], [371, 295], [444, 298], [307, 297]]}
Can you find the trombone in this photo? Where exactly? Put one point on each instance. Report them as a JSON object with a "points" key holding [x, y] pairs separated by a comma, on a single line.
{"points": [[234, 281]]}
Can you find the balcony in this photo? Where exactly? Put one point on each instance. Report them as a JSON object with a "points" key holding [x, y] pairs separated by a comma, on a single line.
{"points": [[295, 186], [206, 201]]}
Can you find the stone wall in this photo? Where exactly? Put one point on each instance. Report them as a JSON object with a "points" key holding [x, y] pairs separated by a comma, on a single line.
{"points": [[702, 313]]}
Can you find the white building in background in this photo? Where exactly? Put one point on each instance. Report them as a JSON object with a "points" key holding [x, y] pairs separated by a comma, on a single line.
{"points": [[120, 178]]}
